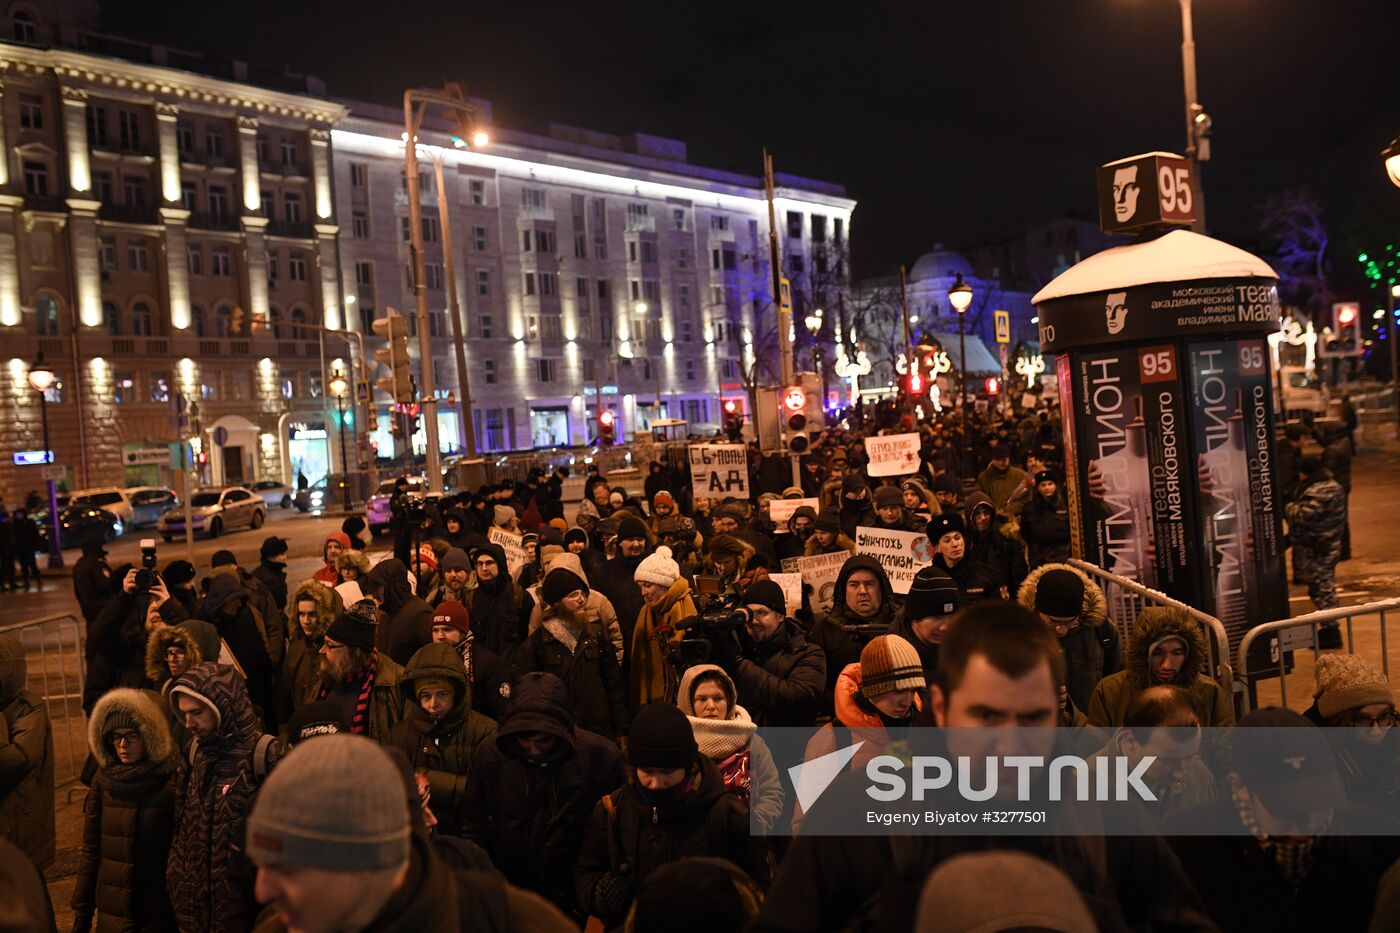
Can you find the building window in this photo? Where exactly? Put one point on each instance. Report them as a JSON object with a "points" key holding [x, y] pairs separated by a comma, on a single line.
{"points": [[291, 207], [550, 327], [837, 229], [432, 230], [678, 218], [489, 368], [729, 368], [582, 291], [160, 387], [189, 195], [636, 212], [138, 257], [687, 330], [479, 239], [529, 283], [112, 318], [585, 325], [818, 228], [264, 153], [690, 370], [36, 178], [366, 319], [600, 247], [477, 191], [636, 288], [532, 198], [197, 318], [273, 265], [483, 282], [545, 370], [194, 260], [794, 224], [364, 274], [123, 387], [405, 230], [682, 258], [107, 252], [359, 175], [287, 386], [604, 291], [142, 324], [102, 186], [25, 29], [484, 326], [796, 264], [221, 262], [359, 225], [31, 112], [289, 150], [134, 190], [605, 326], [214, 141], [236, 385], [580, 246], [719, 223], [296, 267], [184, 137], [648, 252], [651, 292], [266, 199], [527, 242], [223, 322], [631, 250], [432, 272], [549, 283], [46, 317], [544, 241], [96, 125], [218, 203], [129, 129]]}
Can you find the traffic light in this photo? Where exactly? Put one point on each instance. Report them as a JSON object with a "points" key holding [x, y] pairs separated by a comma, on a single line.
{"points": [[1345, 336], [607, 427], [393, 327], [993, 385], [794, 412], [915, 383], [733, 421]]}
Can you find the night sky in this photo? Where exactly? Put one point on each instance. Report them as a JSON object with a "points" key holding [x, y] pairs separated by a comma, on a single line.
{"points": [[949, 122]]}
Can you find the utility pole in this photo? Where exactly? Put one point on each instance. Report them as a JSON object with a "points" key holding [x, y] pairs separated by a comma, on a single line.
{"points": [[1197, 123], [908, 338], [781, 299]]}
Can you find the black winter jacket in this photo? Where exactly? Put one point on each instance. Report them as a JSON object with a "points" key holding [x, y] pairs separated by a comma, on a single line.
{"points": [[590, 672], [782, 684]]}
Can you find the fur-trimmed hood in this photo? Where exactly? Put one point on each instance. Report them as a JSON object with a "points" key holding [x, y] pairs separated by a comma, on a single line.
{"points": [[813, 547], [1154, 624], [149, 721], [161, 639], [1095, 609], [324, 598]]}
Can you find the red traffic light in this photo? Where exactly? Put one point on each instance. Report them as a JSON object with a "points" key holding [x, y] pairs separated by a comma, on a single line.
{"points": [[605, 418], [1346, 314], [916, 383], [730, 406], [794, 399], [993, 385]]}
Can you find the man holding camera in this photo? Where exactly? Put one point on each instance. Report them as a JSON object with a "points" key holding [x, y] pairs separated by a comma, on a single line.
{"points": [[781, 677]]}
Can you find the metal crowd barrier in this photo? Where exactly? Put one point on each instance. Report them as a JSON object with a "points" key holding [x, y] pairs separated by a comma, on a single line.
{"points": [[57, 641], [1301, 632], [1126, 598]]}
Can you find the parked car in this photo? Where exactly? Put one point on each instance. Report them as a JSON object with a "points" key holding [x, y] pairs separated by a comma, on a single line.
{"points": [[1302, 391], [313, 498], [216, 510], [274, 492], [134, 505], [74, 522], [377, 510]]}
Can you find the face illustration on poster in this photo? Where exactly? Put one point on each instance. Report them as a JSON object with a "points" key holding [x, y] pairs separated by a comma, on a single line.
{"points": [[1125, 192]]}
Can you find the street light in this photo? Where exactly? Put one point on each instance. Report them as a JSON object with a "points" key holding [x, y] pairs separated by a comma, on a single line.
{"points": [[41, 377], [814, 326], [340, 387], [960, 296], [1391, 155]]}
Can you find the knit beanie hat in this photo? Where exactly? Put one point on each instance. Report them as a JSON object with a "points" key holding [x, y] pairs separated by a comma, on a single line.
{"points": [[913, 484], [663, 497], [575, 534], [338, 804], [455, 559], [502, 514], [451, 612], [1045, 476], [560, 582], [356, 626], [889, 663], [945, 524], [658, 567], [223, 558], [178, 573], [853, 483], [1345, 681], [631, 527], [828, 520], [549, 552], [931, 593], [766, 593], [889, 497], [1042, 897], [945, 483], [272, 546], [317, 718], [793, 492], [1059, 594], [427, 557], [661, 737], [118, 718]]}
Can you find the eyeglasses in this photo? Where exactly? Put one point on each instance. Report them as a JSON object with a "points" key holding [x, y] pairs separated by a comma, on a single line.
{"points": [[125, 738], [175, 653], [329, 645], [1383, 721]]}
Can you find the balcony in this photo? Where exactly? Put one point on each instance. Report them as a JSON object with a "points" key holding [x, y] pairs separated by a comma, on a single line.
{"points": [[51, 203], [295, 229], [129, 214], [123, 346], [284, 169], [641, 224], [220, 220]]}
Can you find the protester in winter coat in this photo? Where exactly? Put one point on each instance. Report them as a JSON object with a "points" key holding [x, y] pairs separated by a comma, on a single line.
{"points": [[652, 672], [409, 624], [500, 609], [487, 675], [1162, 724], [1354, 702], [780, 679], [352, 565], [725, 734], [26, 760], [827, 536], [855, 505], [1074, 606], [675, 805], [923, 620], [171, 651], [1316, 524], [863, 607], [576, 651], [311, 611], [890, 512], [92, 578], [331, 548], [207, 875], [735, 562], [986, 540], [533, 787], [266, 612], [128, 818], [1167, 647], [976, 580], [271, 571], [1045, 522], [361, 682], [226, 607], [455, 569], [335, 848], [618, 581], [1000, 479], [116, 643], [441, 732], [598, 607]]}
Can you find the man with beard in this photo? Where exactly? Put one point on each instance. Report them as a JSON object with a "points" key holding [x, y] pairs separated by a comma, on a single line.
{"points": [[863, 607], [362, 683], [617, 579], [975, 579], [456, 569], [499, 607], [780, 681], [486, 673]]}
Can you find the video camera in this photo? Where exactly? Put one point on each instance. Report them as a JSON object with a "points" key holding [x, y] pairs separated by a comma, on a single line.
{"points": [[146, 575], [720, 616], [863, 633]]}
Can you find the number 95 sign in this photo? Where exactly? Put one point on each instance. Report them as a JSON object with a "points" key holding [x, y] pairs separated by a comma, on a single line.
{"points": [[1146, 191]]}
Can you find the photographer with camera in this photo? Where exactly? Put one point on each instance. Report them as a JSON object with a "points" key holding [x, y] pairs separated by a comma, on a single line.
{"points": [[116, 643], [781, 677]]}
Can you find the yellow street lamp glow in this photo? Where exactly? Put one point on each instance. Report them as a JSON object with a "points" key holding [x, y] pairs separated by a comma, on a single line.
{"points": [[339, 385], [1391, 155], [40, 375], [480, 138], [960, 295], [813, 322]]}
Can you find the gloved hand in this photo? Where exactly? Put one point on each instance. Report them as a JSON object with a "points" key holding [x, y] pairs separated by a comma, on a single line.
{"points": [[612, 895]]}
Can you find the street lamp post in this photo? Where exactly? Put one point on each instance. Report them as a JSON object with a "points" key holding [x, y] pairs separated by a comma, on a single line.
{"points": [[960, 296], [1390, 158], [40, 378], [340, 387], [814, 326], [1197, 122]]}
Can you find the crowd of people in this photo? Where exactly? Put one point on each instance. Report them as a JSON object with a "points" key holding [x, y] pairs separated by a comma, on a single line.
{"points": [[511, 721]]}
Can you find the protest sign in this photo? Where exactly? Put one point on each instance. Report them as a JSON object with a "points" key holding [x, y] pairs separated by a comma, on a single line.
{"points": [[719, 470], [790, 565], [780, 510], [510, 543], [820, 571], [792, 589], [901, 553], [893, 455]]}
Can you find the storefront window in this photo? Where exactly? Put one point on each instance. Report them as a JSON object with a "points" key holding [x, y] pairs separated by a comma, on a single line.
{"points": [[549, 427]]}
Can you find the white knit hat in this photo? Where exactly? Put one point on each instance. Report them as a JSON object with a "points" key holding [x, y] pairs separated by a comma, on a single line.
{"points": [[658, 568]]}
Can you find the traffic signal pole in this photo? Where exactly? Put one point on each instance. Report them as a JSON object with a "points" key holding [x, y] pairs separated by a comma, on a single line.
{"points": [[784, 308], [412, 118]]}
